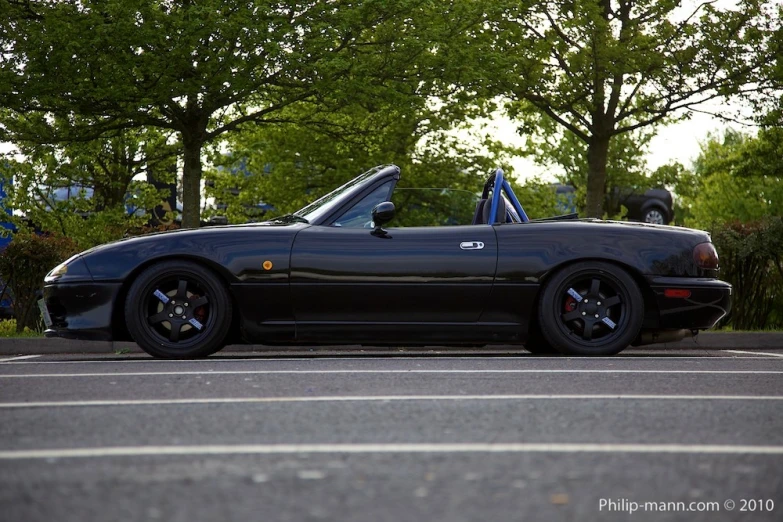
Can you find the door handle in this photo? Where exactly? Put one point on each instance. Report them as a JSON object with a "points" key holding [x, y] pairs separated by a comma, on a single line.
{"points": [[471, 245]]}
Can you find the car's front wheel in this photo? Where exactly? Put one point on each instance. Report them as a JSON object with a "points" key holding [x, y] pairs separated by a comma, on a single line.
{"points": [[591, 308], [178, 310]]}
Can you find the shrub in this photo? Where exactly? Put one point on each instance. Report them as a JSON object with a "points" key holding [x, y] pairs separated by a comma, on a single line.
{"points": [[751, 259], [23, 265], [8, 329]]}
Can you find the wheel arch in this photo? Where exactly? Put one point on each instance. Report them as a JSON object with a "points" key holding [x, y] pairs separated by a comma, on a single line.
{"points": [[651, 312], [119, 329], [657, 204]]}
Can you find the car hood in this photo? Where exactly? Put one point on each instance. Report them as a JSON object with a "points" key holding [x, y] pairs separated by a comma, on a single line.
{"points": [[186, 233]]}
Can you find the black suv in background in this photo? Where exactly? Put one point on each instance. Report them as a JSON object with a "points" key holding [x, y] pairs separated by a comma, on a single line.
{"points": [[650, 206]]}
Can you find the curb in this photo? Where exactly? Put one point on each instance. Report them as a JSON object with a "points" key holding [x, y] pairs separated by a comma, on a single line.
{"points": [[54, 346]]}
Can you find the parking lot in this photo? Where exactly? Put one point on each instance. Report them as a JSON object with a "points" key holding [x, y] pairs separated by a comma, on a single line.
{"points": [[696, 434]]}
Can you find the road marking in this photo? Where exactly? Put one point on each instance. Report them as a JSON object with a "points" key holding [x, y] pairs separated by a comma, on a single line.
{"points": [[381, 398], [316, 372], [755, 353], [278, 449], [370, 357], [19, 358]]}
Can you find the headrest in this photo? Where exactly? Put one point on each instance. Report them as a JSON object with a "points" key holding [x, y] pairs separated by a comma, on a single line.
{"points": [[500, 217]]}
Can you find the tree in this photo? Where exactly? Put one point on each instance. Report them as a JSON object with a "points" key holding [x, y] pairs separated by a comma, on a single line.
{"points": [[203, 68], [551, 145], [103, 201], [604, 68], [290, 165], [106, 164], [739, 177]]}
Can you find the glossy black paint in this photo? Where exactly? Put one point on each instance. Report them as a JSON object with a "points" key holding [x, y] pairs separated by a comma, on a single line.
{"points": [[709, 301], [332, 284], [82, 310]]}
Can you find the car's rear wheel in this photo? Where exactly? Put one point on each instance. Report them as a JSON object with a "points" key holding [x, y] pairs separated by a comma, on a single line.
{"points": [[178, 310], [591, 308], [656, 215]]}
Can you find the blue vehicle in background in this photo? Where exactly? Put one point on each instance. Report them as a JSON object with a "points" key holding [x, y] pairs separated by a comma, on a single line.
{"points": [[6, 302]]}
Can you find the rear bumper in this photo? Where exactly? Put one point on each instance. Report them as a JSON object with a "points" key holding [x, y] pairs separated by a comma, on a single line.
{"points": [[81, 310], [708, 303]]}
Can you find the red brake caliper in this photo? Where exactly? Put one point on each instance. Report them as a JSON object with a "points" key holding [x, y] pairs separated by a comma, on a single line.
{"points": [[199, 313], [570, 304]]}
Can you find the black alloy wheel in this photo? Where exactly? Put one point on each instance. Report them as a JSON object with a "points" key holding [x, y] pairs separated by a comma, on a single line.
{"points": [[178, 310], [591, 308]]}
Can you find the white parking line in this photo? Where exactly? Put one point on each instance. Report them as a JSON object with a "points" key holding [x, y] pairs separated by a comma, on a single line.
{"points": [[279, 449], [755, 353], [383, 398], [19, 358], [355, 372], [310, 359]]}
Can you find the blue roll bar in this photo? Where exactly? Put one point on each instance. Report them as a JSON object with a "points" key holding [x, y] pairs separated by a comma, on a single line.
{"points": [[501, 185]]}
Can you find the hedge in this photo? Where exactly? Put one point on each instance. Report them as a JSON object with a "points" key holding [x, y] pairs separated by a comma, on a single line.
{"points": [[23, 265], [751, 259]]}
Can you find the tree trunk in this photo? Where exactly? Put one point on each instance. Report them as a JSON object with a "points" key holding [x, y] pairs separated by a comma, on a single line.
{"points": [[191, 184], [597, 154]]}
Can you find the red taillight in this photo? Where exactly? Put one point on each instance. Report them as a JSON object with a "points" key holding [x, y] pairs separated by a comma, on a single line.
{"points": [[677, 292], [705, 256]]}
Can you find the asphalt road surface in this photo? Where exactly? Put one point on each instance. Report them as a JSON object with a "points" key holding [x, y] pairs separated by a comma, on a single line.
{"points": [[648, 435]]}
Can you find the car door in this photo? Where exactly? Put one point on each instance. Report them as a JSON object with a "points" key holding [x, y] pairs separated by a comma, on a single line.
{"points": [[352, 284]]}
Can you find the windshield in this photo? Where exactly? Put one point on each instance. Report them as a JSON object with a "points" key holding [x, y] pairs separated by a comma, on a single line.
{"points": [[322, 205]]}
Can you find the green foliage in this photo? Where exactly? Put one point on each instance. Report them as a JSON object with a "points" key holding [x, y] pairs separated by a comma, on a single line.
{"points": [[751, 259], [603, 69], [8, 329], [432, 207], [107, 165], [538, 198], [684, 183], [548, 144], [202, 69], [78, 218], [294, 164], [23, 265], [738, 178]]}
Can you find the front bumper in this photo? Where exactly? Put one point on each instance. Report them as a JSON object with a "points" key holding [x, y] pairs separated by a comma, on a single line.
{"points": [[708, 303], [81, 310]]}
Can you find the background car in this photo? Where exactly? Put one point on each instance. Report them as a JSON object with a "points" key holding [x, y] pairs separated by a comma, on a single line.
{"points": [[648, 206]]}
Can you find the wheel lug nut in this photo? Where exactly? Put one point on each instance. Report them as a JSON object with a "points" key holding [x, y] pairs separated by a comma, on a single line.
{"points": [[586, 301], [599, 303], [184, 316], [584, 313], [171, 315], [596, 316], [186, 304]]}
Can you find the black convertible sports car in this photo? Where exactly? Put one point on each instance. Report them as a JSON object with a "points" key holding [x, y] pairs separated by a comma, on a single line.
{"points": [[330, 273]]}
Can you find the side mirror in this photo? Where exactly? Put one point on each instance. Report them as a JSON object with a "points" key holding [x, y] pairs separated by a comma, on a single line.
{"points": [[382, 213]]}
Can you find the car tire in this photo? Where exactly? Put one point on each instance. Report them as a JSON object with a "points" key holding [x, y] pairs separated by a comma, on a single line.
{"points": [[178, 310], [591, 308], [655, 215]]}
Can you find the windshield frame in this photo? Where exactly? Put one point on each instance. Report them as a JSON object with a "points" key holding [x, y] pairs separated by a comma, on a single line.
{"points": [[321, 210]]}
